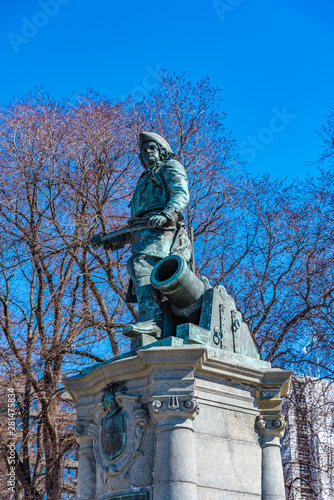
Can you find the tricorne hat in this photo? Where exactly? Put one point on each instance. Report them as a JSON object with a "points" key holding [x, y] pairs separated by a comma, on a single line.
{"points": [[151, 136]]}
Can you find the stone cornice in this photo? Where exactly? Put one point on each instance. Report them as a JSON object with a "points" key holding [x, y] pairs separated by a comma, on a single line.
{"points": [[195, 356]]}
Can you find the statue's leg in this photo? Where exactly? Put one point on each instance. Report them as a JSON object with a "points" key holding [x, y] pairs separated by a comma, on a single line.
{"points": [[150, 314], [149, 304]]}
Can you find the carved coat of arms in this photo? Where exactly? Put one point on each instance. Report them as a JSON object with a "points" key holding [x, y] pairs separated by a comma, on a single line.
{"points": [[117, 431]]}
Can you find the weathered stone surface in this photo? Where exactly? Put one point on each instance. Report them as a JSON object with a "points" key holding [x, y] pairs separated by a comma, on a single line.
{"points": [[216, 494], [228, 464], [131, 496], [87, 464], [240, 427], [211, 429], [226, 423]]}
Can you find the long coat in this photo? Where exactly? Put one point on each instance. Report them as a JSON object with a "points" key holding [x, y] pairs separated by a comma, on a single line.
{"points": [[163, 190]]}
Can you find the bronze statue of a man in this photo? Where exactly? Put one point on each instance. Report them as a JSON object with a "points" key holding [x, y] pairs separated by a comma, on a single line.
{"points": [[156, 228]]}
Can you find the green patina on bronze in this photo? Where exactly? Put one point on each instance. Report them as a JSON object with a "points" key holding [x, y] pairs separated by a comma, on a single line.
{"points": [[156, 229], [113, 427], [172, 301]]}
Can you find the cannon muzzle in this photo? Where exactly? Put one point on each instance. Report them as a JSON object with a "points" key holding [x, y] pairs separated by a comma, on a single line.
{"points": [[174, 279]]}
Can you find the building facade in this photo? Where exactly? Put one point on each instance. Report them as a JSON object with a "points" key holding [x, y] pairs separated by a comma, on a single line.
{"points": [[308, 444]]}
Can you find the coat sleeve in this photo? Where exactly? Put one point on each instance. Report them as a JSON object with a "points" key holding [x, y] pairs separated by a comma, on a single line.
{"points": [[117, 242], [176, 183]]}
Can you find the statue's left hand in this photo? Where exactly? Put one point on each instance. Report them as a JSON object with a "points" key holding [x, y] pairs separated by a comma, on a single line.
{"points": [[157, 221]]}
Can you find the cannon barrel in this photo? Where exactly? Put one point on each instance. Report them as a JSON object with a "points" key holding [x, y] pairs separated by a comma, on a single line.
{"points": [[174, 279]]}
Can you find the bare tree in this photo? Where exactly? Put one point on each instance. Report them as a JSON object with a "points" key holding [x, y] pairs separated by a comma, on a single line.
{"points": [[57, 176], [68, 169]]}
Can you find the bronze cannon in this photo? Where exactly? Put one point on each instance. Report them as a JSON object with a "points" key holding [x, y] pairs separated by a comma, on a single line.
{"points": [[174, 279], [196, 311]]}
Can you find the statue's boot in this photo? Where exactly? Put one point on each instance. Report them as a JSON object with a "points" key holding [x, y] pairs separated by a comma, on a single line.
{"points": [[142, 327], [150, 314]]}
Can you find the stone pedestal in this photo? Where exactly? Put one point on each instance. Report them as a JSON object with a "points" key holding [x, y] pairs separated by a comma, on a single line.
{"points": [[179, 422]]}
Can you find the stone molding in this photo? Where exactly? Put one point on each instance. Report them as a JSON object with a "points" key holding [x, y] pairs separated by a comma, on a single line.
{"points": [[174, 406], [196, 356], [270, 427], [114, 472], [80, 429], [85, 441]]}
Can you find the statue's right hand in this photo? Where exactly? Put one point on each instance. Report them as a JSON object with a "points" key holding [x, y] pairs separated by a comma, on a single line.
{"points": [[157, 220], [96, 241]]}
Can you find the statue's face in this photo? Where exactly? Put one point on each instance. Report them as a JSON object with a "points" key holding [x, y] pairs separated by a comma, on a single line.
{"points": [[150, 154]]}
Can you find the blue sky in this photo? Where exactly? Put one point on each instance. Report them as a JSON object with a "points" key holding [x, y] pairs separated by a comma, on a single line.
{"points": [[273, 60]]}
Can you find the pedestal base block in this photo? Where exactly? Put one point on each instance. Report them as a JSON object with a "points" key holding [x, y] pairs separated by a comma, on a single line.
{"points": [[180, 422]]}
